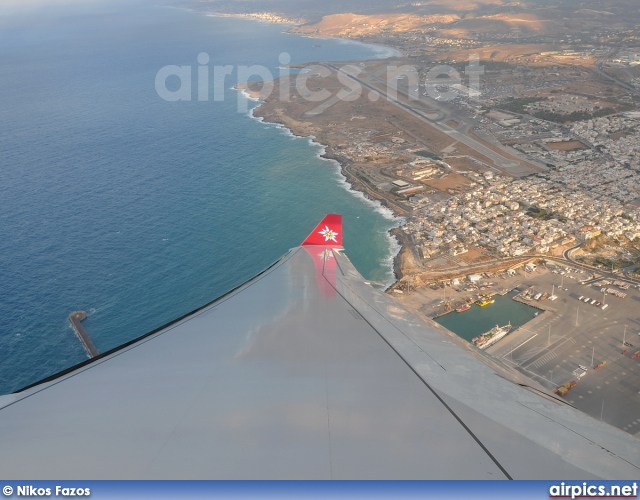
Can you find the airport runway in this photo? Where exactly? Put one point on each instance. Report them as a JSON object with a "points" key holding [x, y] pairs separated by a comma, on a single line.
{"points": [[506, 165]]}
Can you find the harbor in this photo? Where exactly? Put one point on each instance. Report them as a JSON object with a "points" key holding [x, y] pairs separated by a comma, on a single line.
{"points": [[481, 319], [581, 342]]}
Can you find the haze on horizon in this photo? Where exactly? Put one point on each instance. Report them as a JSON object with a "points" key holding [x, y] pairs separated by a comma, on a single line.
{"points": [[313, 10]]}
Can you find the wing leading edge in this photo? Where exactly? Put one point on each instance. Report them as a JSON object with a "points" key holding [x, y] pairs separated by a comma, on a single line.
{"points": [[303, 372]]}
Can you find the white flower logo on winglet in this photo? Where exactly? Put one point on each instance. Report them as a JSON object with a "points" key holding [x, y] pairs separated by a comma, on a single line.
{"points": [[328, 234]]}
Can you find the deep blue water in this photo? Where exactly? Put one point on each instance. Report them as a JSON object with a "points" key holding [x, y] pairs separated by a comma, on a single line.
{"points": [[139, 210]]}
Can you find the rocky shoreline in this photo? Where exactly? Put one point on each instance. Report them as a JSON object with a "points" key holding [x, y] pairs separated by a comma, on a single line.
{"points": [[269, 112]]}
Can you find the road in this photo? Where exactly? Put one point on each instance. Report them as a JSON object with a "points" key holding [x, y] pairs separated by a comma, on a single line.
{"points": [[568, 257], [624, 85]]}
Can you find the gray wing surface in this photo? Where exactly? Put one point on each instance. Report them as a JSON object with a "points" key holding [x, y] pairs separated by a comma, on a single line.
{"points": [[304, 372]]}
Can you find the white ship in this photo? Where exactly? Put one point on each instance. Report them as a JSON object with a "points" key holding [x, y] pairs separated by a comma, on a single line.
{"points": [[492, 336]]}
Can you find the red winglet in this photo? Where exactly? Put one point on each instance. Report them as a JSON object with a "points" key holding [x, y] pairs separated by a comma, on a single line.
{"points": [[328, 233]]}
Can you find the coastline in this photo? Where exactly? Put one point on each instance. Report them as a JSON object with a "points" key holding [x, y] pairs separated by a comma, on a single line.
{"points": [[181, 197], [398, 246], [254, 17], [341, 128], [380, 48], [385, 51], [346, 180], [263, 17], [398, 260]]}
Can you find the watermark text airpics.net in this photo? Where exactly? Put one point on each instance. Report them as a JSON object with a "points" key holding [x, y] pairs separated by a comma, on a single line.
{"points": [[593, 490], [205, 82]]}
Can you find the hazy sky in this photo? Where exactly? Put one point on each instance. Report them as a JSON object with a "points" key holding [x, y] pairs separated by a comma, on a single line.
{"points": [[30, 4], [26, 6]]}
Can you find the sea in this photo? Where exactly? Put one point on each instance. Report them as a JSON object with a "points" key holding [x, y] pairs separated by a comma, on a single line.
{"points": [[136, 209]]}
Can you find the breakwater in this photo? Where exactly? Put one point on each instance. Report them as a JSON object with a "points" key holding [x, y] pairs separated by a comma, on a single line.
{"points": [[76, 318]]}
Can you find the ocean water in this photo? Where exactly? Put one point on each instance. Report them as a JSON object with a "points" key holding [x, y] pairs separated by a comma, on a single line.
{"points": [[135, 209]]}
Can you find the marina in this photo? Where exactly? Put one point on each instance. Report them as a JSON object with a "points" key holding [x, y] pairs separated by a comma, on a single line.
{"points": [[481, 319]]}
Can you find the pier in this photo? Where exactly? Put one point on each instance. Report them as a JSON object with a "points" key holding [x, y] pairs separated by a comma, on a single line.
{"points": [[536, 304], [76, 318]]}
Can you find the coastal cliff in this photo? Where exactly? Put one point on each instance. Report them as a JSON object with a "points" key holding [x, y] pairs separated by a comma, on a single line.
{"points": [[339, 128]]}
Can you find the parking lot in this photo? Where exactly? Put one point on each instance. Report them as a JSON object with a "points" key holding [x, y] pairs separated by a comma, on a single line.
{"points": [[571, 334]]}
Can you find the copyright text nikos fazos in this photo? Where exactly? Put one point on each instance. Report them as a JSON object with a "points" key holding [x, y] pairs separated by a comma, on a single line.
{"points": [[34, 491]]}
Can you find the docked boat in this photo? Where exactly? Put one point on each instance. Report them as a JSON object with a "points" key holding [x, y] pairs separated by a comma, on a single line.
{"points": [[484, 301], [492, 336], [463, 308]]}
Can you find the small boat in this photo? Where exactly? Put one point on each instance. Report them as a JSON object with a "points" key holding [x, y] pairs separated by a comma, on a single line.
{"points": [[484, 301], [463, 308]]}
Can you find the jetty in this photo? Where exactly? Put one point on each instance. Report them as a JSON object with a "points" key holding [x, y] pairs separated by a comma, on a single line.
{"points": [[536, 304], [76, 318]]}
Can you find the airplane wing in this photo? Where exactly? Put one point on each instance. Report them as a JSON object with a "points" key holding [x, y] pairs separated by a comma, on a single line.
{"points": [[303, 372]]}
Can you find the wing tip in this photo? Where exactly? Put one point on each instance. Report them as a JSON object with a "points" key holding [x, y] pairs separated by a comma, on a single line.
{"points": [[327, 233]]}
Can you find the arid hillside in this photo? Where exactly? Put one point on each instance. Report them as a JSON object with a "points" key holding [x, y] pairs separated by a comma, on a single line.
{"points": [[471, 14]]}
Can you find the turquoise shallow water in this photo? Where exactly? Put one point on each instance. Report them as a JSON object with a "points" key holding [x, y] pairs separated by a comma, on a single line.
{"points": [[478, 320], [139, 210]]}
